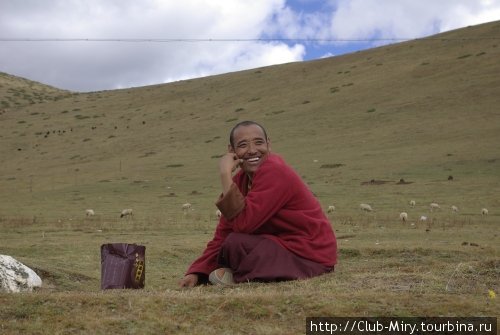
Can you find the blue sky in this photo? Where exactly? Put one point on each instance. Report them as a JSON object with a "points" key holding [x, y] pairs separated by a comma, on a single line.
{"points": [[87, 44]]}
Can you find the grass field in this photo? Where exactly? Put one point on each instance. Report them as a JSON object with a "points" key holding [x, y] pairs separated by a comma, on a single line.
{"points": [[420, 111], [386, 268]]}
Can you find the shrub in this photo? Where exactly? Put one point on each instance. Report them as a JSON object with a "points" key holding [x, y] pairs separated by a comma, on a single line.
{"points": [[331, 166]]}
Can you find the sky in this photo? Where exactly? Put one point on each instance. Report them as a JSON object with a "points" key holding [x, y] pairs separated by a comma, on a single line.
{"points": [[93, 45]]}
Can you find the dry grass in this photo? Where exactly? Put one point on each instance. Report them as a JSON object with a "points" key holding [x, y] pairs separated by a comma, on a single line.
{"points": [[385, 269], [417, 111]]}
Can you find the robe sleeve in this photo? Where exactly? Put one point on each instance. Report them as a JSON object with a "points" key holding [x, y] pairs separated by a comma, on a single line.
{"points": [[231, 203], [271, 190]]}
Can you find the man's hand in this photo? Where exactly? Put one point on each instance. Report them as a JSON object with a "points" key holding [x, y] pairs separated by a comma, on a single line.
{"points": [[229, 163], [189, 280]]}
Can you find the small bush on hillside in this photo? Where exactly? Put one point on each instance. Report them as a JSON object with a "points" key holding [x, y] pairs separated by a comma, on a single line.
{"points": [[331, 166]]}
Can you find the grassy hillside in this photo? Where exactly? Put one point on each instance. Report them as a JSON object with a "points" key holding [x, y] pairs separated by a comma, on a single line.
{"points": [[16, 92], [420, 111]]}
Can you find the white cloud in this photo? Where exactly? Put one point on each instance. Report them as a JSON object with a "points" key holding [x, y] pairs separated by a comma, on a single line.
{"points": [[108, 65], [408, 18], [327, 55]]}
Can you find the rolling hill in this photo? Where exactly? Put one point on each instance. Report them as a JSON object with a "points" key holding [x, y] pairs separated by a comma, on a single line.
{"points": [[353, 126]]}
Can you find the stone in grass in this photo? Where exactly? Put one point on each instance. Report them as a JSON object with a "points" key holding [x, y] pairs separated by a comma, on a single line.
{"points": [[17, 277]]}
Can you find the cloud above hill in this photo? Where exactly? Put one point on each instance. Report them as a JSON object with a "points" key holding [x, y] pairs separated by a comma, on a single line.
{"points": [[120, 62]]}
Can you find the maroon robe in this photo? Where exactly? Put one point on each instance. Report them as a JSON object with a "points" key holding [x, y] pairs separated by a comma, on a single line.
{"points": [[280, 208]]}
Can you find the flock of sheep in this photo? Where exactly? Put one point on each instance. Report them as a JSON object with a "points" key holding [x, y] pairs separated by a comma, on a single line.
{"points": [[403, 216], [128, 212]]}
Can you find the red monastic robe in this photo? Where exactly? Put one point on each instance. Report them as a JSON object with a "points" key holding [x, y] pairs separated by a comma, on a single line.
{"points": [[279, 206]]}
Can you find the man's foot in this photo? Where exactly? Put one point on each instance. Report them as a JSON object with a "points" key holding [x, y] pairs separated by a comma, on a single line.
{"points": [[221, 276]]}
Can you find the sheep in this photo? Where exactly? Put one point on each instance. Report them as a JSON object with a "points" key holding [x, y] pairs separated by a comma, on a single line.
{"points": [[484, 211], [330, 209], [412, 203], [403, 216], [423, 218], [126, 212], [185, 207], [89, 212], [434, 206], [218, 213], [365, 207], [454, 209]]}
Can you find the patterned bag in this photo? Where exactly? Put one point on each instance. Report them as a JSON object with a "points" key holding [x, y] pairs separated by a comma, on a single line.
{"points": [[122, 266]]}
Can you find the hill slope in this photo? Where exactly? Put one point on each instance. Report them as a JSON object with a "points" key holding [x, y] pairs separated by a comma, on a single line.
{"points": [[18, 92], [421, 110]]}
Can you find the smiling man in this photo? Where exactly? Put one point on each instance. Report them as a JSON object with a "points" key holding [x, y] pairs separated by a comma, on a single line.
{"points": [[272, 227]]}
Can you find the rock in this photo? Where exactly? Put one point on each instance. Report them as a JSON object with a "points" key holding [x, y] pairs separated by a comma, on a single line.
{"points": [[17, 277]]}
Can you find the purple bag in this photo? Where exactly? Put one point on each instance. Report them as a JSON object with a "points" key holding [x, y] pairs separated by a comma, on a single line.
{"points": [[122, 266]]}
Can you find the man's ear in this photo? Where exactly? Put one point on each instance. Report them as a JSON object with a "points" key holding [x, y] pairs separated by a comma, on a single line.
{"points": [[230, 148], [268, 144]]}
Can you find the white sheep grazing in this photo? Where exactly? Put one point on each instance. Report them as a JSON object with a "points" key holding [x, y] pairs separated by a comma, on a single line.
{"points": [[185, 207], [403, 216], [484, 211], [89, 212], [454, 209], [434, 206], [365, 207], [423, 218], [218, 213], [330, 209], [412, 203], [126, 212]]}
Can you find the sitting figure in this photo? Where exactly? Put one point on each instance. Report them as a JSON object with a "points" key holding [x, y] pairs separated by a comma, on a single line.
{"points": [[272, 227]]}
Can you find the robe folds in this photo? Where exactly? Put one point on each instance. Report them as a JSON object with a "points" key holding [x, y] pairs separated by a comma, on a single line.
{"points": [[280, 207]]}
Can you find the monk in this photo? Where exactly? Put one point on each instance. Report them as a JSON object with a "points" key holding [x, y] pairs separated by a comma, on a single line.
{"points": [[272, 227]]}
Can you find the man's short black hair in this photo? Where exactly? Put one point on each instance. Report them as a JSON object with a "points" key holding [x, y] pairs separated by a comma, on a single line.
{"points": [[244, 124]]}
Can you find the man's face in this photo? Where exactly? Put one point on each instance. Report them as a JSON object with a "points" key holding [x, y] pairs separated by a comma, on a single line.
{"points": [[250, 145]]}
